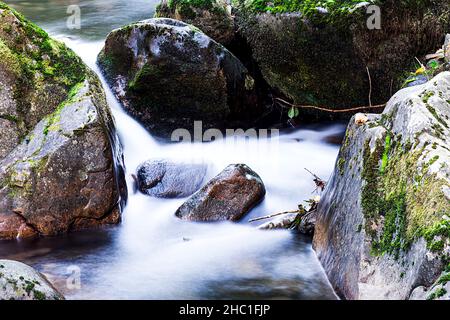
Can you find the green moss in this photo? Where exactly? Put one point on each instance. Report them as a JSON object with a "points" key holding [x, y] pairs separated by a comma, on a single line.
{"points": [[54, 118], [440, 292], [385, 156], [53, 59], [444, 278], [341, 164], [410, 200], [38, 295]]}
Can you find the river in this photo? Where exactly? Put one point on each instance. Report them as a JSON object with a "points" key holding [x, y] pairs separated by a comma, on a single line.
{"points": [[154, 255]]}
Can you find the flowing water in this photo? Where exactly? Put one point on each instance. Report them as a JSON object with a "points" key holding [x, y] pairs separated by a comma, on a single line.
{"points": [[154, 255]]}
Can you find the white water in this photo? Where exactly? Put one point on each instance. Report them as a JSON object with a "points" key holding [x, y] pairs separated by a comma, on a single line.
{"points": [[154, 255]]}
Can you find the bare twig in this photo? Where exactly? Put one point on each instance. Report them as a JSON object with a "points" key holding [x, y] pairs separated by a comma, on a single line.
{"points": [[370, 86], [273, 215], [378, 106]]}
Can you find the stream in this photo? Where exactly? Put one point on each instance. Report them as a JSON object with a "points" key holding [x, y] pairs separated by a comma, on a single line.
{"points": [[154, 255]]}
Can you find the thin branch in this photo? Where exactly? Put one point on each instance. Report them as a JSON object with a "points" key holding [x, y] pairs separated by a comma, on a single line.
{"points": [[273, 215], [370, 86], [379, 106]]}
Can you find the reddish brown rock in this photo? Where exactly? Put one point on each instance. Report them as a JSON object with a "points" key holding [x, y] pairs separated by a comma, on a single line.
{"points": [[228, 196]]}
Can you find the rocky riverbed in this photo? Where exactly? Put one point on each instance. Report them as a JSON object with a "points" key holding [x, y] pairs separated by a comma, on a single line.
{"points": [[79, 137]]}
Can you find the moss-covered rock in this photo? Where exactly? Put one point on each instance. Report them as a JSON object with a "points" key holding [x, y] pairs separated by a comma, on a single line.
{"points": [[21, 282], [168, 74], [213, 17], [59, 148], [316, 52], [383, 225]]}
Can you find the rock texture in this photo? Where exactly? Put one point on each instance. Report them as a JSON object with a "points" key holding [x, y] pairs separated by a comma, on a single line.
{"points": [[322, 59], [59, 148], [168, 179], [213, 17], [168, 74], [21, 282], [229, 196], [382, 228]]}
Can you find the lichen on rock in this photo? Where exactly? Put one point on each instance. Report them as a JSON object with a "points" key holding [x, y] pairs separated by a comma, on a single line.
{"points": [[383, 228], [60, 169], [322, 58], [213, 17]]}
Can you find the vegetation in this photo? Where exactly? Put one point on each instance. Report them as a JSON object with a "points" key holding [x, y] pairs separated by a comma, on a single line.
{"points": [[408, 199]]}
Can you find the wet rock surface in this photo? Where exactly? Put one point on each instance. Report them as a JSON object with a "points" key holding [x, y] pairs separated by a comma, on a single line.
{"points": [[382, 228], [21, 282], [61, 167], [322, 60], [212, 17], [168, 179], [228, 196], [167, 74]]}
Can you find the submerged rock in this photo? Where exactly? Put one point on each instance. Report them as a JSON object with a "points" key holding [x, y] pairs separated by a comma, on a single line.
{"points": [[382, 228], [57, 167], [228, 196], [21, 282], [322, 60], [167, 179], [168, 74], [213, 17]]}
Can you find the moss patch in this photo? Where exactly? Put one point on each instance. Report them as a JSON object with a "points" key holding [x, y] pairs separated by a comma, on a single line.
{"points": [[406, 200]]}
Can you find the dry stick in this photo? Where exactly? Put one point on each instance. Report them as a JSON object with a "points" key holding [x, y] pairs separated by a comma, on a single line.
{"points": [[370, 86], [331, 110], [273, 215]]}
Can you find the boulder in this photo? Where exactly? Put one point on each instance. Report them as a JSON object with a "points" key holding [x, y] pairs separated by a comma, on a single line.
{"points": [[167, 74], [440, 290], [228, 196], [321, 57], [21, 282], [167, 179], [60, 165], [382, 228], [213, 17]]}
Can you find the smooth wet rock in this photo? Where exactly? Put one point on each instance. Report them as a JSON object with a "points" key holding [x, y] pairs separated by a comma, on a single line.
{"points": [[167, 74], [382, 227], [60, 160], [167, 179], [213, 17], [228, 196], [21, 282]]}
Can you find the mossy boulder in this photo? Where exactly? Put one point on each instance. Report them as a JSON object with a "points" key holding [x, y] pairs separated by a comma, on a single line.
{"points": [[320, 56], [383, 225], [60, 162], [21, 282], [167, 74], [213, 17]]}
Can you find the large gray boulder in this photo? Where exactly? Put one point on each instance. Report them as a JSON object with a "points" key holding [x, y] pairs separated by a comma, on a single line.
{"points": [[228, 196], [21, 282], [60, 161], [383, 223], [167, 74]]}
